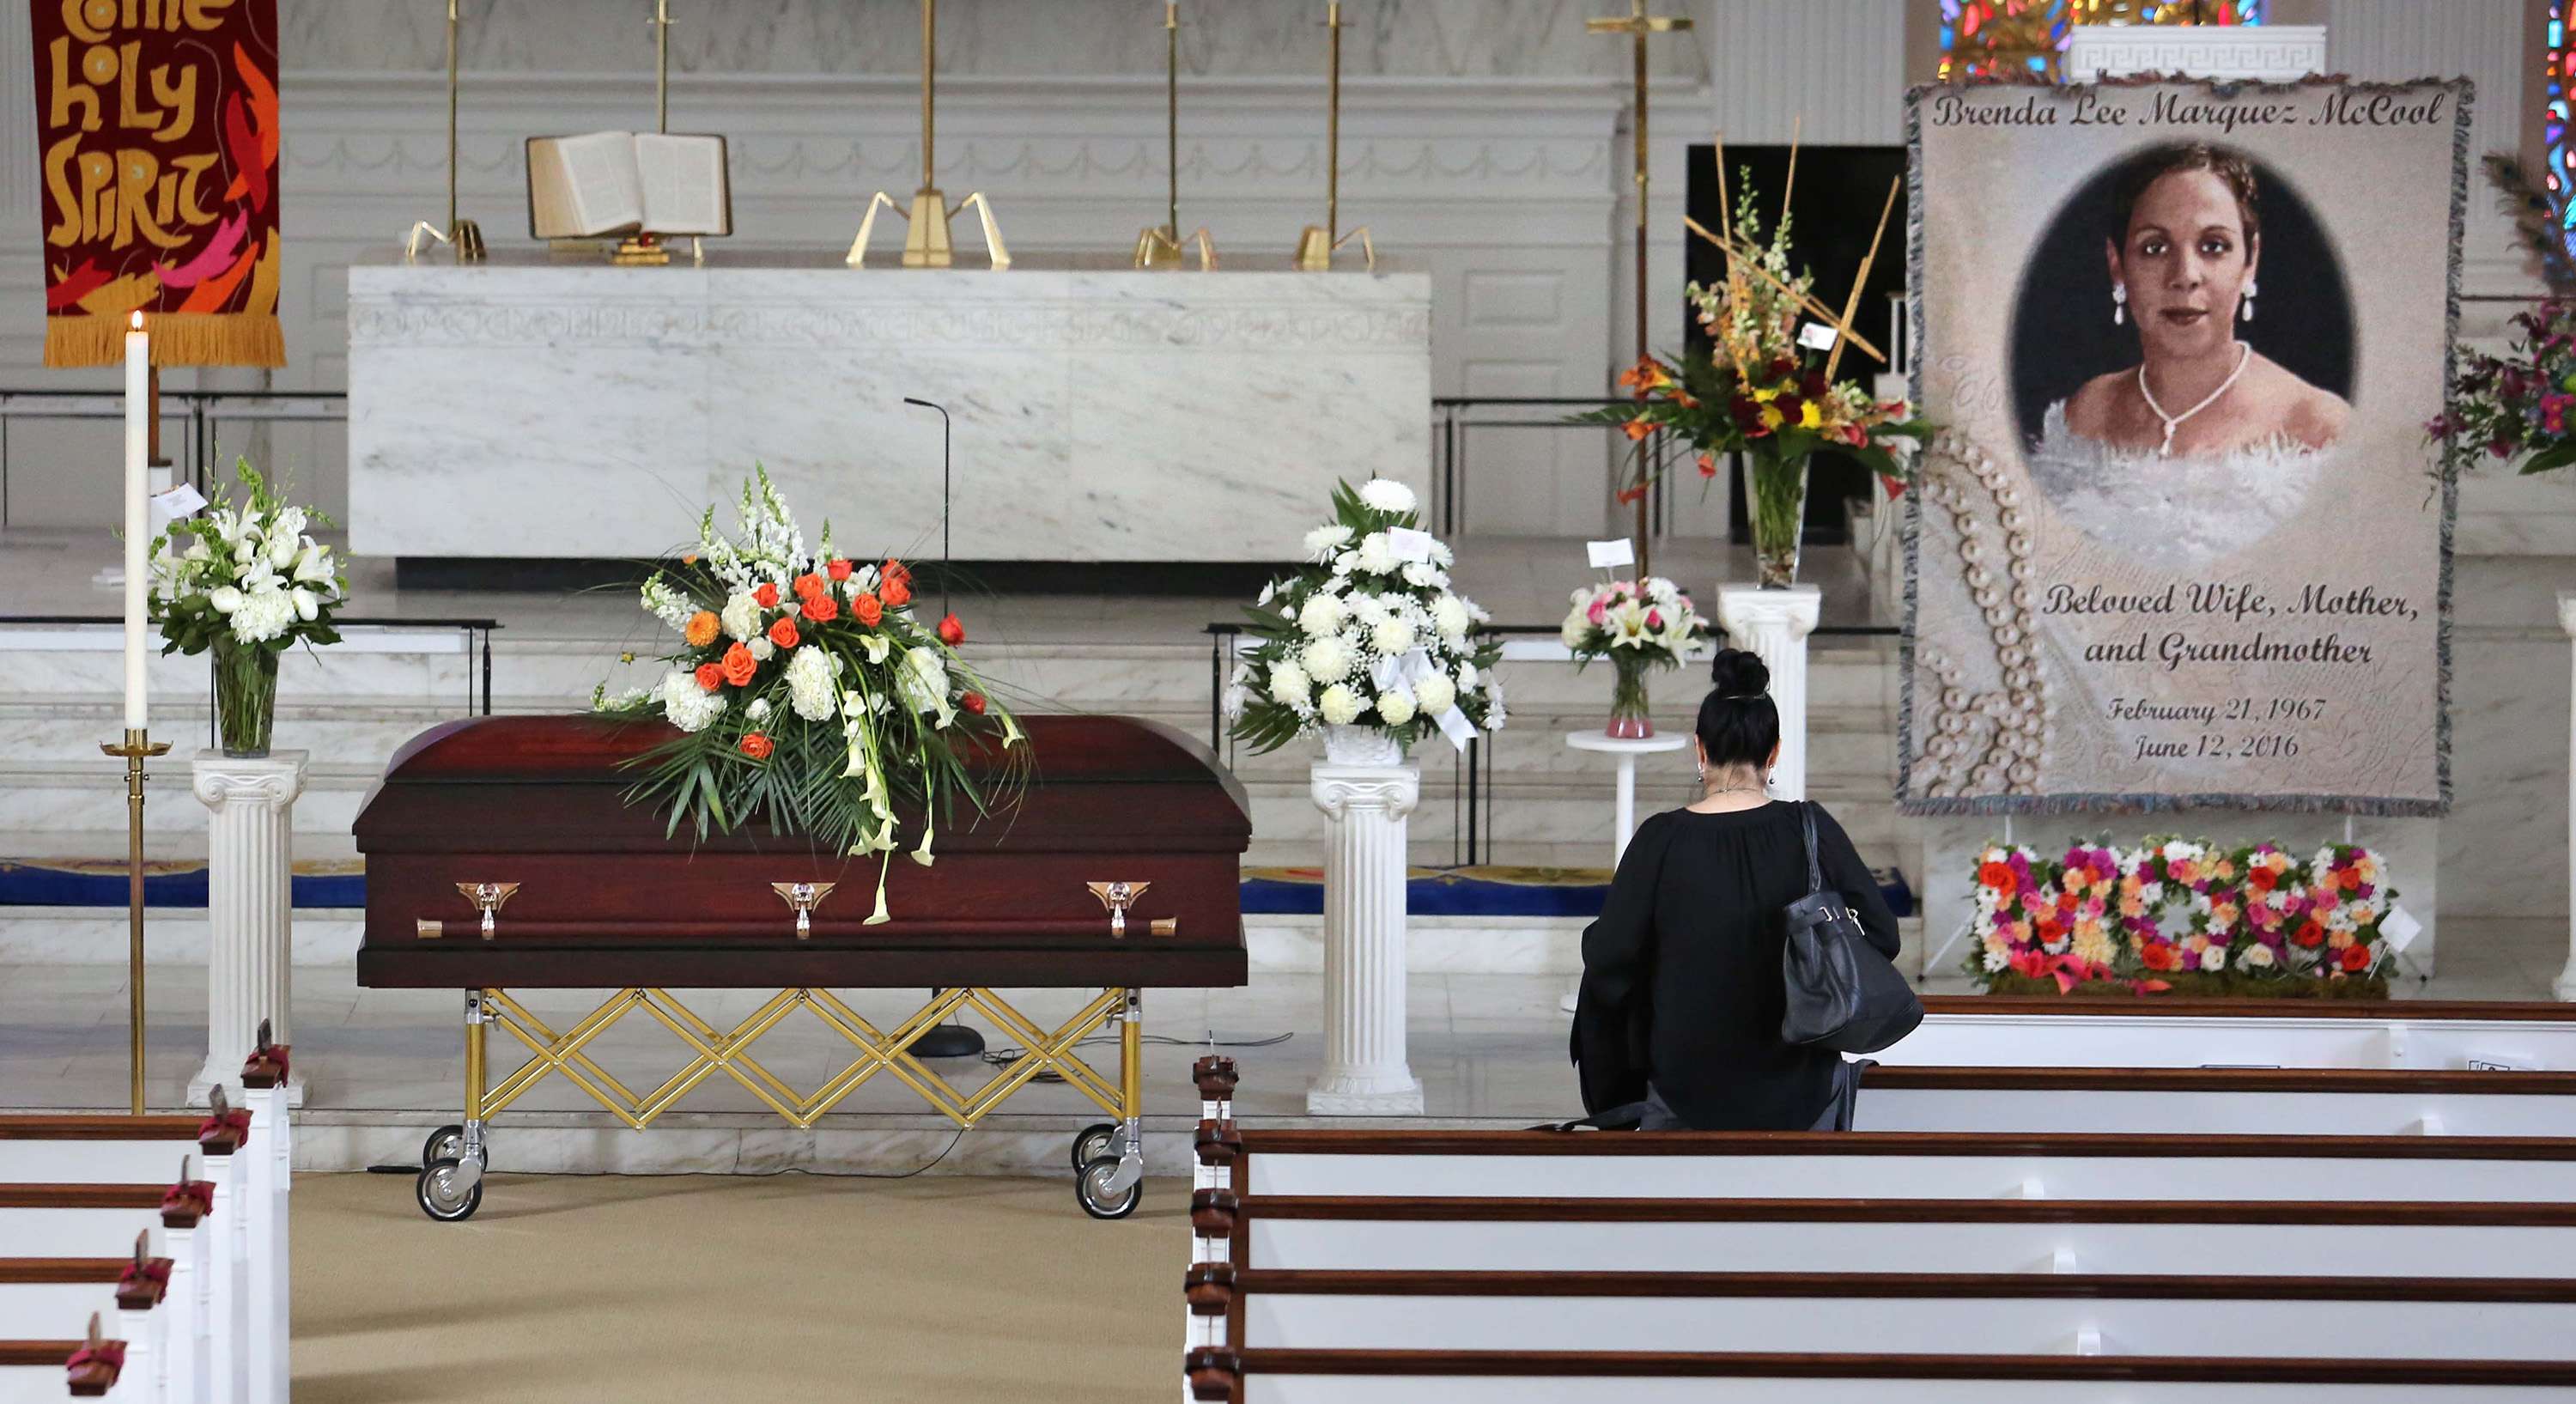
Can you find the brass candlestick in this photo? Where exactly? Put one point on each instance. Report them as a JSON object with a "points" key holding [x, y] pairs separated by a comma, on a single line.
{"points": [[1161, 246], [1317, 242], [1639, 27], [926, 241], [463, 236], [137, 746]]}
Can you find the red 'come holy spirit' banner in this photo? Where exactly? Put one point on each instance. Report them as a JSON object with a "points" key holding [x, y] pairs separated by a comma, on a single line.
{"points": [[157, 133]]}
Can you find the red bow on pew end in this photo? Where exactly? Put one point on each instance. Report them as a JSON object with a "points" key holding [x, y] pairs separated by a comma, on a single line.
{"points": [[155, 1271], [232, 1120], [192, 1196], [94, 1367], [267, 1066]]}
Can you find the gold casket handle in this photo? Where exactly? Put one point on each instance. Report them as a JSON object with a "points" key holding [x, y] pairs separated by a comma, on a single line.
{"points": [[488, 898]]}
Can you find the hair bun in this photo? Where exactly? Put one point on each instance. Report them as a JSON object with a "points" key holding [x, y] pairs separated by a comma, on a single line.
{"points": [[1738, 673]]}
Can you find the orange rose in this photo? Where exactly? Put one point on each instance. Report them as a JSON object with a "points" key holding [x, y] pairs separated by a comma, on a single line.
{"points": [[756, 745], [2356, 958], [897, 591], [896, 570], [739, 665], [821, 609], [973, 702], [1997, 876], [808, 585], [838, 569], [767, 595], [866, 610], [703, 627], [783, 633], [951, 632], [710, 676]]}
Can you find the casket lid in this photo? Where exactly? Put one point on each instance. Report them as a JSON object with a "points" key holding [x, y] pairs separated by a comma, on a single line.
{"points": [[574, 771]]}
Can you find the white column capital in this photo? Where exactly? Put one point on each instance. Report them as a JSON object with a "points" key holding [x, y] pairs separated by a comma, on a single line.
{"points": [[274, 779], [1391, 790], [2567, 612], [1749, 610]]}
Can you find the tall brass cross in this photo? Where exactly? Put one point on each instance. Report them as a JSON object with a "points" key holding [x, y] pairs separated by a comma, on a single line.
{"points": [[1639, 26], [661, 23]]}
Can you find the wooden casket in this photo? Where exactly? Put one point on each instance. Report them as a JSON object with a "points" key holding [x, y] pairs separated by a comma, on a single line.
{"points": [[501, 853]]}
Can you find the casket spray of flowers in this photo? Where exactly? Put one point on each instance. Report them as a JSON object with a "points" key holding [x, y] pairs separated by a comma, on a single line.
{"points": [[1367, 634], [808, 695], [247, 580]]}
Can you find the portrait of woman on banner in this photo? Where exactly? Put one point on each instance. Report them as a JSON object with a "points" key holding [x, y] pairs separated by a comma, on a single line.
{"points": [[2196, 436]]}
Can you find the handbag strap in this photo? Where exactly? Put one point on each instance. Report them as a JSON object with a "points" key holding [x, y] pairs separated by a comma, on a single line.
{"points": [[1807, 822]]}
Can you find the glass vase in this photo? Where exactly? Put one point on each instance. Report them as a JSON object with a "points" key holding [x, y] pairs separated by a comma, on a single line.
{"points": [[1630, 719], [1778, 513], [245, 698]]}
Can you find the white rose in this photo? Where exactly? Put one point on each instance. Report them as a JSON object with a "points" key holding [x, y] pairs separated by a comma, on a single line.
{"points": [[1376, 554], [1391, 637], [2258, 956], [1449, 617], [1387, 496], [1326, 659], [741, 616], [1289, 685], [1339, 705], [762, 650], [1434, 695], [1396, 707], [1325, 539], [2215, 958], [810, 688], [1322, 615]]}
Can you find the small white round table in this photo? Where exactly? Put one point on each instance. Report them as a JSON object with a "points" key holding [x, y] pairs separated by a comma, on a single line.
{"points": [[1623, 819]]}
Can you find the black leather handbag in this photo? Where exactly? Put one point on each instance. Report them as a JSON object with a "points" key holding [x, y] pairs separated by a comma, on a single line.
{"points": [[1842, 994]]}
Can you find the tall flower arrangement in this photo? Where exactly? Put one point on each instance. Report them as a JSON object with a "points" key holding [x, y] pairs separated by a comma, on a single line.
{"points": [[1639, 626], [247, 580], [809, 695], [2518, 405], [1763, 390], [1367, 634]]}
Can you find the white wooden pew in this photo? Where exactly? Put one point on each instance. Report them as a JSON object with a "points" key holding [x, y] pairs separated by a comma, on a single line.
{"points": [[1860, 1165], [2164, 1032], [2218, 1101]]}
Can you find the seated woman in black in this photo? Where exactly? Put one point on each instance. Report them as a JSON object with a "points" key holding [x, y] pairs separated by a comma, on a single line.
{"points": [[1681, 998]]}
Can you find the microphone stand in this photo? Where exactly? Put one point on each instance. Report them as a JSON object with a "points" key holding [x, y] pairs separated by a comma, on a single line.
{"points": [[949, 1040]]}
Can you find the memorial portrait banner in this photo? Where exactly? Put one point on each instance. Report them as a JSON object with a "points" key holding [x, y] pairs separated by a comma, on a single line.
{"points": [[2181, 540], [157, 137]]}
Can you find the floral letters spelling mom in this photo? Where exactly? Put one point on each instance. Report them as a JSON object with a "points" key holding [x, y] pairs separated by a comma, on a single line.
{"points": [[2180, 541], [157, 136]]}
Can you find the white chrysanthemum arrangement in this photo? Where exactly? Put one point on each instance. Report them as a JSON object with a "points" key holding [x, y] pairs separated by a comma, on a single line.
{"points": [[1368, 634]]}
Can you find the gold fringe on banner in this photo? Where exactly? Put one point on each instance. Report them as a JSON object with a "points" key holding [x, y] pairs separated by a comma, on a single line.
{"points": [[178, 339]]}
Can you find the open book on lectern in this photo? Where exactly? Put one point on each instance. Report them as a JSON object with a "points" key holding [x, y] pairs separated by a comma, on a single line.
{"points": [[601, 184]]}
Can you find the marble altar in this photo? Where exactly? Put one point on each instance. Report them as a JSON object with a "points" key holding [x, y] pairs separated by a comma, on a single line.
{"points": [[537, 407]]}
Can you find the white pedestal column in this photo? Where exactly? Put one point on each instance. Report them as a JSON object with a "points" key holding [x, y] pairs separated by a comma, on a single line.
{"points": [[1773, 625], [249, 903], [1365, 1072], [2565, 988]]}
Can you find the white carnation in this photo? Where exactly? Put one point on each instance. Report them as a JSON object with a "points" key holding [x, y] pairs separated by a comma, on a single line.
{"points": [[741, 617], [1449, 617], [1289, 685], [1322, 615], [1376, 554], [687, 705], [1466, 677], [1434, 695], [1391, 637], [1387, 496], [1339, 705], [1325, 539], [1326, 659], [1396, 707], [810, 687]]}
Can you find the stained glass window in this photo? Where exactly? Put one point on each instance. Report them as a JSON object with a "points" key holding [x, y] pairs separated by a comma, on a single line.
{"points": [[1993, 38], [2561, 61]]}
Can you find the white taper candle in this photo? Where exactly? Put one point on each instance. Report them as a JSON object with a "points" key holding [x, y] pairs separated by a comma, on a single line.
{"points": [[138, 373]]}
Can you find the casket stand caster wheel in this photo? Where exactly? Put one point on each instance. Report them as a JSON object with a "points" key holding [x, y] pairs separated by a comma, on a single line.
{"points": [[1092, 1142], [448, 1143], [450, 1190], [1095, 1187]]}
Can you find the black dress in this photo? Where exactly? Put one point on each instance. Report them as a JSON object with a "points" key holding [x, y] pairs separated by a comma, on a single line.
{"points": [[1681, 973]]}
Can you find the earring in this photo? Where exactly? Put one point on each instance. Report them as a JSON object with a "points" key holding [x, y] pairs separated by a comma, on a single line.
{"points": [[2245, 308], [2119, 303], [1703, 772]]}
